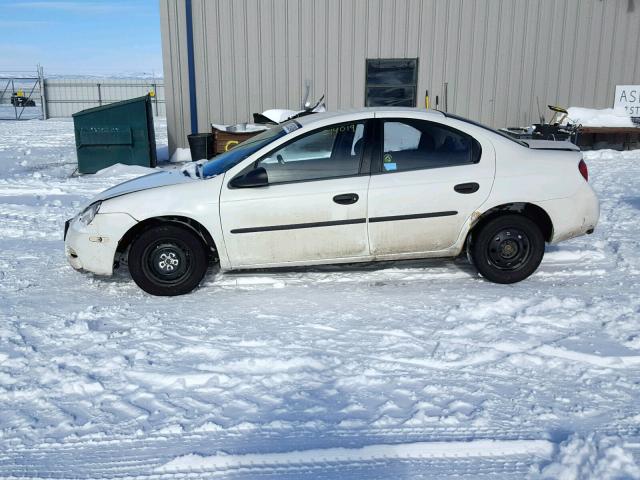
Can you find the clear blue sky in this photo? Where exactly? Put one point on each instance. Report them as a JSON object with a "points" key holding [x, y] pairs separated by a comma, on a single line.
{"points": [[76, 37]]}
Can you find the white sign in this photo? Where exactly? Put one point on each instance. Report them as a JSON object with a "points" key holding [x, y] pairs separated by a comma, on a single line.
{"points": [[628, 97]]}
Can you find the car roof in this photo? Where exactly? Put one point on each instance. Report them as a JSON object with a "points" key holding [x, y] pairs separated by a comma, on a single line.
{"points": [[308, 120]]}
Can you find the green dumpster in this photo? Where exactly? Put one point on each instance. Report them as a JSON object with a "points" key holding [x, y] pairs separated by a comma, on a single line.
{"points": [[120, 132]]}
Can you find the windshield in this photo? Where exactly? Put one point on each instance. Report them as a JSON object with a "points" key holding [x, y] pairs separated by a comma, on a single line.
{"points": [[231, 158]]}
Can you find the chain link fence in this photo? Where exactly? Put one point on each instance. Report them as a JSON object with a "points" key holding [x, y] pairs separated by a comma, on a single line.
{"points": [[28, 95]]}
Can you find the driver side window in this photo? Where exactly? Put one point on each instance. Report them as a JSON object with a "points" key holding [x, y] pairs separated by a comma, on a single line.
{"points": [[327, 153]]}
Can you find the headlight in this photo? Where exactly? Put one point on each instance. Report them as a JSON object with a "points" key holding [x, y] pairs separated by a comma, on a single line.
{"points": [[89, 213]]}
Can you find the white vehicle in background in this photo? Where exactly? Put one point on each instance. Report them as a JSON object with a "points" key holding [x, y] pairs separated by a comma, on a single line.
{"points": [[358, 186]]}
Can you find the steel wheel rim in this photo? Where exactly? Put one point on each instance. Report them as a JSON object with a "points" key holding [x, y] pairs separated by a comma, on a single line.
{"points": [[509, 249], [167, 261]]}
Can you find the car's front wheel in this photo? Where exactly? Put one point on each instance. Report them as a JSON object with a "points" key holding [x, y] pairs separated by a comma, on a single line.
{"points": [[168, 260], [507, 249]]}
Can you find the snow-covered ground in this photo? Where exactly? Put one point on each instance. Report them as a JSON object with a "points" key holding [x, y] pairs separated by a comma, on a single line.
{"points": [[405, 370], [9, 112]]}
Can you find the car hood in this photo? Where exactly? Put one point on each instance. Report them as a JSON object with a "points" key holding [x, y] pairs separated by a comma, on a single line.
{"points": [[153, 180]]}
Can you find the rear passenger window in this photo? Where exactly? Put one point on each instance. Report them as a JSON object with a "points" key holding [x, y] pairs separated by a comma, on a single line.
{"points": [[418, 144]]}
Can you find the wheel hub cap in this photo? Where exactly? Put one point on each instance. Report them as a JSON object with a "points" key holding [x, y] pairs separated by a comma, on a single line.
{"points": [[168, 262], [509, 249]]}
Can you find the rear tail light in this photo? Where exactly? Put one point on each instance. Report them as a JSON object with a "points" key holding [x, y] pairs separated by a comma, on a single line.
{"points": [[584, 171]]}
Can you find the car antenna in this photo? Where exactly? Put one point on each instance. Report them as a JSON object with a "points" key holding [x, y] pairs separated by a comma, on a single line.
{"points": [[540, 116]]}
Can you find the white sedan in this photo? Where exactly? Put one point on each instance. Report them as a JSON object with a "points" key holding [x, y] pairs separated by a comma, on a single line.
{"points": [[358, 186]]}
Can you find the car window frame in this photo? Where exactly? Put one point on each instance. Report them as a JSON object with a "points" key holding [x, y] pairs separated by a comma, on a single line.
{"points": [[364, 162], [485, 127], [377, 159]]}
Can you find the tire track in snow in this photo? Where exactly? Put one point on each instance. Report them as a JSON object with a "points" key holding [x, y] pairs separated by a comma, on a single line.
{"points": [[509, 468], [605, 361], [265, 439], [459, 458], [369, 453]]}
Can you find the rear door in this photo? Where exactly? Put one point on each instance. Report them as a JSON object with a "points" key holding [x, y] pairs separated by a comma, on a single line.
{"points": [[313, 209], [429, 179]]}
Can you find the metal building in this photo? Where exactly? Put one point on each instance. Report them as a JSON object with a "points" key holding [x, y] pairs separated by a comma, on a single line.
{"points": [[496, 61]]}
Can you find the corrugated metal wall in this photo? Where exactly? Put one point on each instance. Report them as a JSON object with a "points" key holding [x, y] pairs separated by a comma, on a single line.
{"points": [[64, 97], [500, 58]]}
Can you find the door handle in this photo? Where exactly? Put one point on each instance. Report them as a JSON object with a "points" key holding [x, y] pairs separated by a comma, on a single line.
{"points": [[471, 187], [346, 198]]}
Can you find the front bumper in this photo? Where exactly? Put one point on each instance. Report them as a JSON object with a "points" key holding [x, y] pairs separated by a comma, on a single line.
{"points": [[93, 247]]}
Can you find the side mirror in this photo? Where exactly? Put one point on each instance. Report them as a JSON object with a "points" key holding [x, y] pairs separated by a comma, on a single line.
{"points": [[254, 178]]}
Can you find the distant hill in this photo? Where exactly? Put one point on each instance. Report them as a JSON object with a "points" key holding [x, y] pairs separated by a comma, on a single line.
{"points": [[114, 76]]}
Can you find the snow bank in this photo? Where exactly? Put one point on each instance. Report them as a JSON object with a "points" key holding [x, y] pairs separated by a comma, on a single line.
{"points": [[612, 155], [607, 117], [120, 170], [162, 153], [181, 155], [591, 458]]}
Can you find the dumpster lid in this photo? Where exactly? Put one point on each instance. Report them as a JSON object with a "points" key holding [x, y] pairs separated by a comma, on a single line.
{"points": [[144, 98]]}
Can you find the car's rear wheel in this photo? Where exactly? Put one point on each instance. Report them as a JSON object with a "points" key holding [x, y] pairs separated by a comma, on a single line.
{"points": [[507, 249], [168, 260]]}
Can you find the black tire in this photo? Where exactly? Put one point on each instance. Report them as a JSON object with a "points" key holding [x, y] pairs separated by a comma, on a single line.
{"points": [[168, 260], [507, 249]]}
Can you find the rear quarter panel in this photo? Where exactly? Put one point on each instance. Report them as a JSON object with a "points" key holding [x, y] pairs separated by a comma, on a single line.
{"points": [[529, 175], [549, 179], [525, 175]]}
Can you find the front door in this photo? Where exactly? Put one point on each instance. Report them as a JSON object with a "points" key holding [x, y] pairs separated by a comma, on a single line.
{"points": [[431, 178], [313, 209]]}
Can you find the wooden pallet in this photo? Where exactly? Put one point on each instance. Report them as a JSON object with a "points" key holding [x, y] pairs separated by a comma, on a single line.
{"points": [[615, 138]]}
